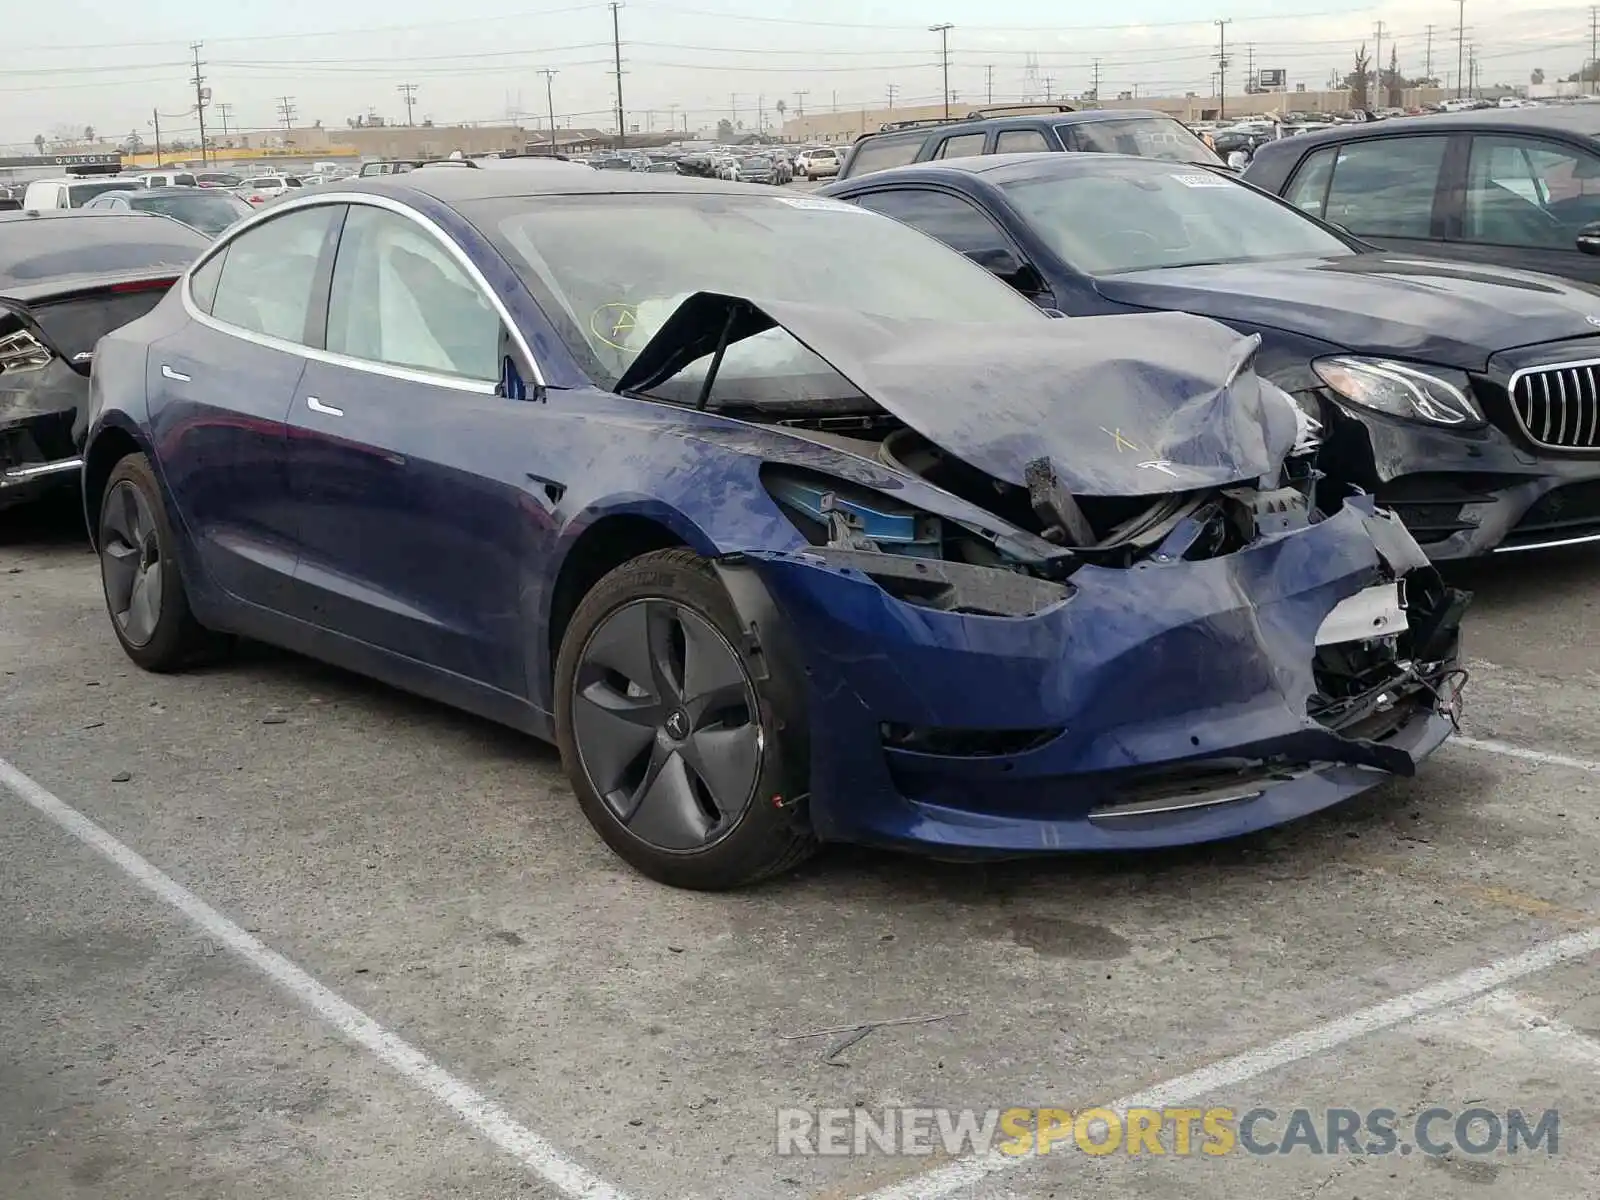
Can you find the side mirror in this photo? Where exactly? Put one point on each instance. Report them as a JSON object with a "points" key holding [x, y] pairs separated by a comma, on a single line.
{"points": [[1008, 268], [1589, 238]]}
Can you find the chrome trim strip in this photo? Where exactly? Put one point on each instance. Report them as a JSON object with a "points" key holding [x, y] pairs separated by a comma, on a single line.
{"points": [[61, 466], [410, 374], [1574, 541], [1162, 807], [1523, 406]]}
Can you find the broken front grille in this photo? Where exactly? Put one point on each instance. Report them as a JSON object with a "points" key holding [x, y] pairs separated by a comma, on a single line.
{"points": [[1559, 406]]}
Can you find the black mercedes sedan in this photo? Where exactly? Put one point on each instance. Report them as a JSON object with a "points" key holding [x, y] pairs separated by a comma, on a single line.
{"points": [[1466, 398]]}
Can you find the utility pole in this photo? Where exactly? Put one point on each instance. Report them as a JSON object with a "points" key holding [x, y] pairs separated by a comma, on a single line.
{"points": [[155, 119], [1096, 78], [224, 110], [944, 54], [550, 102], [409, 91], [761, 114], [286, 112], [1461, 45], [616, 50], [1249, 66], [1049, 88], [1222, 67], [893, 88], [200, 97], [988, 74], [1377, 66], [1594, 42], [800, 103], [733, 109]]}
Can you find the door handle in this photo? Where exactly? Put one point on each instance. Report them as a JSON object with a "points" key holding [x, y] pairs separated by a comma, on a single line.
{"points": [[318, 406], [168, 373]]}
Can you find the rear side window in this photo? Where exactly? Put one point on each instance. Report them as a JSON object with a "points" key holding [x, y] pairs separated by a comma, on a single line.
{"points": [[268, 279], [184, 180], [962, 146], [1386, 186], [203, 283], [1020, 141], [954, 221], [881, 153]]}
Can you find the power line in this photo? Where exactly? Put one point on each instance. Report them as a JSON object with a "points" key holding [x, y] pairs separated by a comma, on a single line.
{"points": [[409, 91]]}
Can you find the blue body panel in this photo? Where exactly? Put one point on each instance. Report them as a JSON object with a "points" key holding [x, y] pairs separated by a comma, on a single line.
{"points": [[421, 535]]}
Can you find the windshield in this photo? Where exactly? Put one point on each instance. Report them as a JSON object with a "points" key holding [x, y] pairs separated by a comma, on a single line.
{"points": [[91, 244], [1147, 137], [1130, 216], [79, 194], [611, 269], [209, 212]]}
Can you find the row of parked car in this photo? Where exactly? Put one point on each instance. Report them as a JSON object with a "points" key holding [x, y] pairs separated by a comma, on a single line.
{"points": [[984, 502]]}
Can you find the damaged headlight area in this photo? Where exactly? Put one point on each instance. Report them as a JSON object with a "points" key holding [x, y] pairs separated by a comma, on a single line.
{"points": [[1435, 395], [917, 557]]}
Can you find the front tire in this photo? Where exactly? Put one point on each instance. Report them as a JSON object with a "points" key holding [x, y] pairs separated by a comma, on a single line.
{"points": [[141, 576], [678, 757]]}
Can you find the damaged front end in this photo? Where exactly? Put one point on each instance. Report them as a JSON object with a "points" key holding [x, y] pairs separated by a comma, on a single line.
{"points": [[1103, 612], [46, 351]]}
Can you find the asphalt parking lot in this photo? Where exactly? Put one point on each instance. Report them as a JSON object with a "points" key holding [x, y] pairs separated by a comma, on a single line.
{"points": [[474, 998]]}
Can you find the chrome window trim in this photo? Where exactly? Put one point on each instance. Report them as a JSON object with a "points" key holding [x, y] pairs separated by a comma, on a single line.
{"points": [[1581, 364], [410, 374]]}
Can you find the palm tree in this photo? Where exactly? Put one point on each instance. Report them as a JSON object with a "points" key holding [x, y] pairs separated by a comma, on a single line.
{"points": [[88, 133], [38, 142]]}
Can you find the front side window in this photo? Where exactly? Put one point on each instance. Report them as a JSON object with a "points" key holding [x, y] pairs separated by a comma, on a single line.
{"points": [[1386, 186], [203, 282], [1133, 216], [963, 146], [399, 297], [1309, 190], [268, 278], [1524, 191]]}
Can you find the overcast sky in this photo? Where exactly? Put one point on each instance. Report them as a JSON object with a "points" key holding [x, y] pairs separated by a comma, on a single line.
{"points": [[75, 63]]}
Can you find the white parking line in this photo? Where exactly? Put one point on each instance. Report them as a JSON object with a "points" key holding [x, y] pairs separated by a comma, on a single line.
{"points": [[1490, 746], [415, 1067], [1251, 1064]]}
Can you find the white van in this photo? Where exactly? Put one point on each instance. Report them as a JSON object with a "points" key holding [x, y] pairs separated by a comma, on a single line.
{"points": [[72, 192]]}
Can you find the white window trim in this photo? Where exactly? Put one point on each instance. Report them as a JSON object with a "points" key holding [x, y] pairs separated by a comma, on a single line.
{"points": [[410, 374]]}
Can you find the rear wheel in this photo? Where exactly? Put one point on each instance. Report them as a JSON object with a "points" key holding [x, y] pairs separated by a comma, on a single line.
{"points": [[677, 756], [140, 575]]}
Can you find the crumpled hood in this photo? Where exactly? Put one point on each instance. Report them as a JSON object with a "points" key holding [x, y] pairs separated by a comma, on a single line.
{"points": [[1119, 406], [1453, 314]]}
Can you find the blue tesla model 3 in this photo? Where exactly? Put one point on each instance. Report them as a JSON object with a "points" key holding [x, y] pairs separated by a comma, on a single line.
{"points": [[786, 522]]}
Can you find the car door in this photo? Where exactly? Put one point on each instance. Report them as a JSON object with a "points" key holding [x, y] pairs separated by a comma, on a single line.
{"points": [[1524, 201], [421, 487], [1390, 191], [220, 388], [962, 225]]}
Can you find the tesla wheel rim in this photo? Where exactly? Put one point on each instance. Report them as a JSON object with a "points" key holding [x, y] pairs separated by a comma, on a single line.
{"points": [[666, 725], [131, 564]]}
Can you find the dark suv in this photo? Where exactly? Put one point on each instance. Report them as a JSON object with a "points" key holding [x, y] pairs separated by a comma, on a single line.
{"points": [[1516, 187], [1025, 129]]}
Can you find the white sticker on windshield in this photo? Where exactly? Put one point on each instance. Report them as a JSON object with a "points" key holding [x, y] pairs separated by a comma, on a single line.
{"points": [[1201, 179], [822, 202]]}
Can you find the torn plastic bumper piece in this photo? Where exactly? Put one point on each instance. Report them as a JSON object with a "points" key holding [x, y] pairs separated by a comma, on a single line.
{"points": [[1161, 704]]}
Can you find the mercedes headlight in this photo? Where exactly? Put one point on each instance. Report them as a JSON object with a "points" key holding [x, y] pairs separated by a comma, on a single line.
{"points": [[1437, 395]]}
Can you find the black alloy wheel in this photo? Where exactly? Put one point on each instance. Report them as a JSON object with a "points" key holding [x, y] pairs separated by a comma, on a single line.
{"points": [[677, 757], [665, 720], [141, 575]]}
